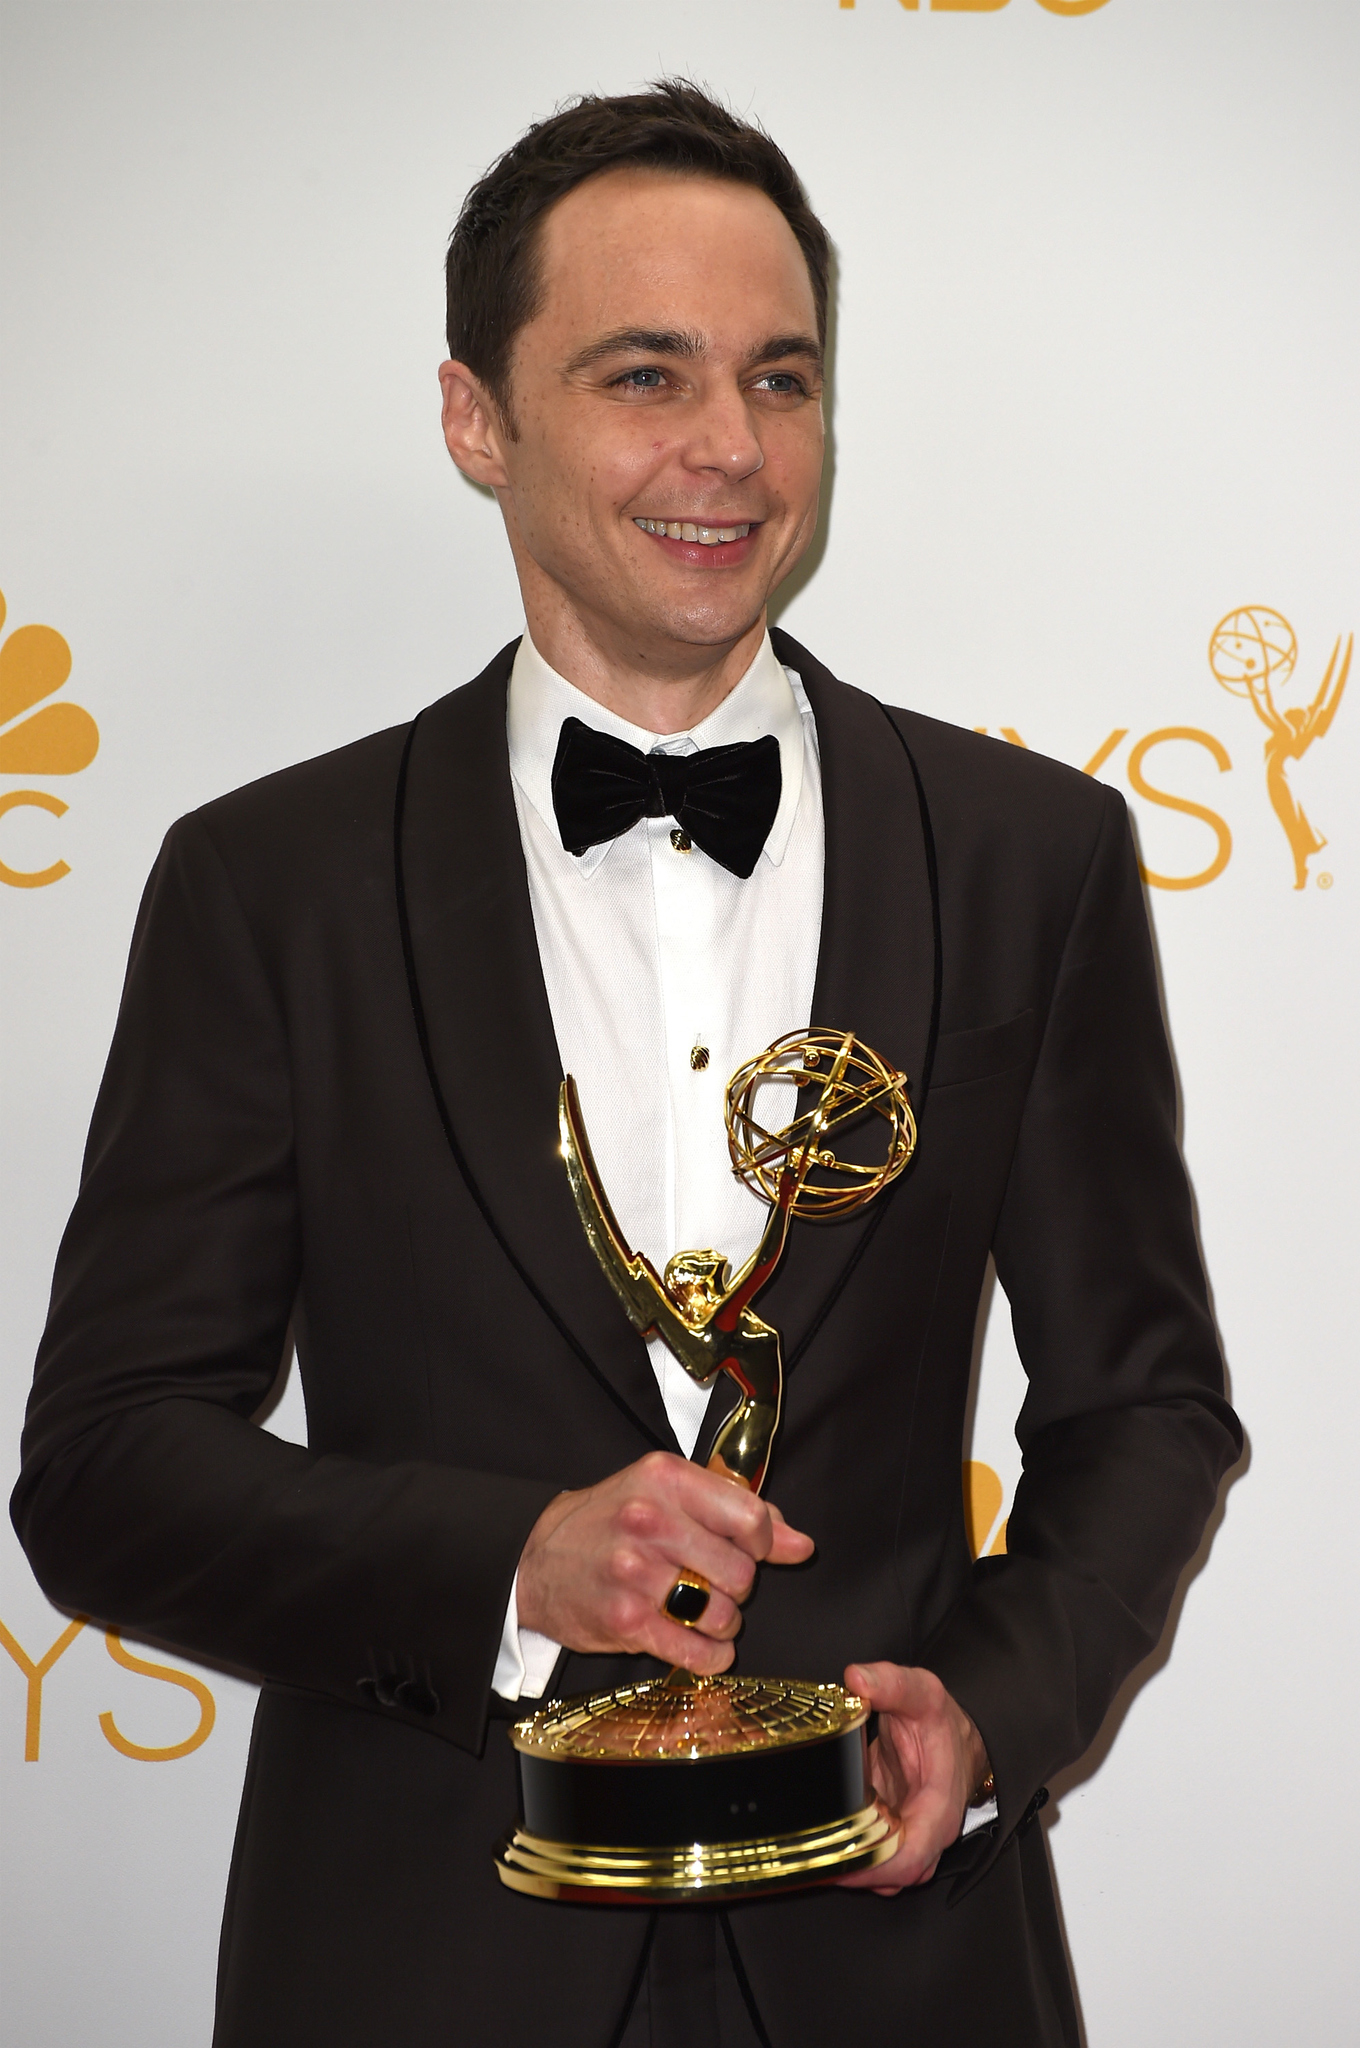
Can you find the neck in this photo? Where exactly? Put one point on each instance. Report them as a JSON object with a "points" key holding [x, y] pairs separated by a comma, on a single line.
{"points": [[663, 689]]}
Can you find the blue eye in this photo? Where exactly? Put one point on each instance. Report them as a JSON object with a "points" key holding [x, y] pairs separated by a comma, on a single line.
{"points": [[642, 380]]}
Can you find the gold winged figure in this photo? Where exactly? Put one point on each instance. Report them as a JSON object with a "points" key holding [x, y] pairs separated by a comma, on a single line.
{"points": [[1250, 650], [702, 1316]]}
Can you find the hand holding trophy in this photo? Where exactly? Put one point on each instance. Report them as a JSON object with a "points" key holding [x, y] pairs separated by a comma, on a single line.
{"points": [[689, 1787]]}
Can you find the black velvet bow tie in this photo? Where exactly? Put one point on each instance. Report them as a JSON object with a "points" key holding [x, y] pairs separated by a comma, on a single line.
{"points": [[724, 798]]}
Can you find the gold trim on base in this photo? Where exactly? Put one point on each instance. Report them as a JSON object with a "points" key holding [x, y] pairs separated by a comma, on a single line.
{"points": [[685, 1720], [708, 1870]]}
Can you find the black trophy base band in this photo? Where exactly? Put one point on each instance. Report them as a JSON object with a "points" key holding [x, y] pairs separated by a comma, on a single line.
{"points": [[687, 1601], [762, 1792]]}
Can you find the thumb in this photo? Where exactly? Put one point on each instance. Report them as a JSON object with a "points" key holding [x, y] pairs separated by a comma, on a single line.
{"points": [[881, 1684], [787, 1545], [901, 1689]]}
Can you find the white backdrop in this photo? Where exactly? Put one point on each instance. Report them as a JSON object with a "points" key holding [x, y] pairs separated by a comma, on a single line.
{"points": [[1094, 390]]}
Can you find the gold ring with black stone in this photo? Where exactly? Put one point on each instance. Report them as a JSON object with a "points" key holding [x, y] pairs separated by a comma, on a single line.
{"points": [[688, 1599]]}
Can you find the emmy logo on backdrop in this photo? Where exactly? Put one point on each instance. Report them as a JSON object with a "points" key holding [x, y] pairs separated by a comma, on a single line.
{"points": [[1253, 653], [718, 1787]]}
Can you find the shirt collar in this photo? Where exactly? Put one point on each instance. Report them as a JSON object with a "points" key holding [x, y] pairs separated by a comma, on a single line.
{"points": [[764, 701]]}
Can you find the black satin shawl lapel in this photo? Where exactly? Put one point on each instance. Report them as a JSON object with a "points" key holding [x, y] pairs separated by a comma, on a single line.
{"points": [[877, 968], [482, 1007]]}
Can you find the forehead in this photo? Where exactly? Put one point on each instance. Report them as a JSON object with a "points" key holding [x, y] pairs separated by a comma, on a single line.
{"points": [[636, 247]]}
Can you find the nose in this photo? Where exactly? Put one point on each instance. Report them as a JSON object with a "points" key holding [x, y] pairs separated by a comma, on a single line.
{"points": [[722, 436]]}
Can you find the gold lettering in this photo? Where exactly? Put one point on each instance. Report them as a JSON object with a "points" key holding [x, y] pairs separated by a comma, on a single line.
{"points": [[207, 1707], [1216, 824], [1097, 760], [32, 878], [994, 6], [34, 1675], [1104, 751]]}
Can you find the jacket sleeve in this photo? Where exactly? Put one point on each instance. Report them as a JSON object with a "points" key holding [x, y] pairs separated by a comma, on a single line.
{"points": [[147, 1496], [1125, 1431]]}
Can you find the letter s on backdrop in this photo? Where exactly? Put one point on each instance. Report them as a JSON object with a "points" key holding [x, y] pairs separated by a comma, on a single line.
{"points": [[1180, 803], [207, 1709]]}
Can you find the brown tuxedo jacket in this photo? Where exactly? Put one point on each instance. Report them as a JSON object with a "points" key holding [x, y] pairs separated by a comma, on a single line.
{"points": [[331, 1099]]}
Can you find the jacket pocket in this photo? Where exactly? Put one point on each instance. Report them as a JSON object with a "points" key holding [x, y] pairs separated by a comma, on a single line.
{"points": [[977, 1055]]}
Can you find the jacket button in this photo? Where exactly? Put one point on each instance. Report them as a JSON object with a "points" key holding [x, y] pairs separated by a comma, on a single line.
{"points": [[417, 1697], [383, 1689]]}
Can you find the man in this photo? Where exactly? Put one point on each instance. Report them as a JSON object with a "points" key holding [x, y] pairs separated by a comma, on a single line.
{"points": [[353, 990]]}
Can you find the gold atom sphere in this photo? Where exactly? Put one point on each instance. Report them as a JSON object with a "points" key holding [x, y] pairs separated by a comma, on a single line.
{"points": [[850, 1082], [1252, 646]]}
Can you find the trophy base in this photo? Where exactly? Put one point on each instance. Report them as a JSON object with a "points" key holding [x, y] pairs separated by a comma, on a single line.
{"points": [[695, 1871], [684, 1787]]}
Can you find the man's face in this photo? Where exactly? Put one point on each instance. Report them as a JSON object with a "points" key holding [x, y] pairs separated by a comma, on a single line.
{"points": [[667, 392]]}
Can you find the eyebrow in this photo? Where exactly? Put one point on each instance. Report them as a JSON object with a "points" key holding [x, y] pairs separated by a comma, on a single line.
{"points": [[780, 345], [638, 341], [653, 341]]}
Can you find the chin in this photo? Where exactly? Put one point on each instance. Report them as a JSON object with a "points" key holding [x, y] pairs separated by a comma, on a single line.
{"points": [[708, 625]]}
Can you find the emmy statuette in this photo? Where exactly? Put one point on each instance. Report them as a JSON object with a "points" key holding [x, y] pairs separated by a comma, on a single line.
{"points": [[687, 1788]]}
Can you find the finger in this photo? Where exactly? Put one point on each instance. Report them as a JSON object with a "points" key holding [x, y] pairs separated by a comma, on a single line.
{"points": [[642, 1577], [687, 1546], [690, 1648], [721, 1619], [718, 1616], [656, 1530], [913, 1862], [788, 1546], [693, 1547], [737, 1514], [925, 1837], [631, 1618], [873, 1682], [889, 1688], [888, 1775]]}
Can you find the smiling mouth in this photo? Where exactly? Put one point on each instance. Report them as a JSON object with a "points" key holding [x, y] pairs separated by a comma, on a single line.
{"points": [[685, 529]]}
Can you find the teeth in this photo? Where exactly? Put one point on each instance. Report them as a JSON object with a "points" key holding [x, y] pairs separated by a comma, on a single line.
{"points": [[684, 529]]}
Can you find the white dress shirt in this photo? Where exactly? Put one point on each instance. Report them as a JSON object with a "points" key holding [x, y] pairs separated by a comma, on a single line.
{"points": [[652, 957]]}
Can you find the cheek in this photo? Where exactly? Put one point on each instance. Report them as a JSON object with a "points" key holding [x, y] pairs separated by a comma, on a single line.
{"points": [[585, 478], [627, 463], [552, 485], [795, 462]]}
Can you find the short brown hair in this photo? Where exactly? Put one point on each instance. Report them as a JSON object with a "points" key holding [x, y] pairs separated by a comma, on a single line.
{"points": [[492, 269]]}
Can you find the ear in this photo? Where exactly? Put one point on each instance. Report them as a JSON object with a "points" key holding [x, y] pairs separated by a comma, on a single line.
{"points": [[473, 428]]}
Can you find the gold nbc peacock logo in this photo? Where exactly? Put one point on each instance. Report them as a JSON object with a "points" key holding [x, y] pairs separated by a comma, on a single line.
{"points": [[983, 1499], [58, 739]]}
